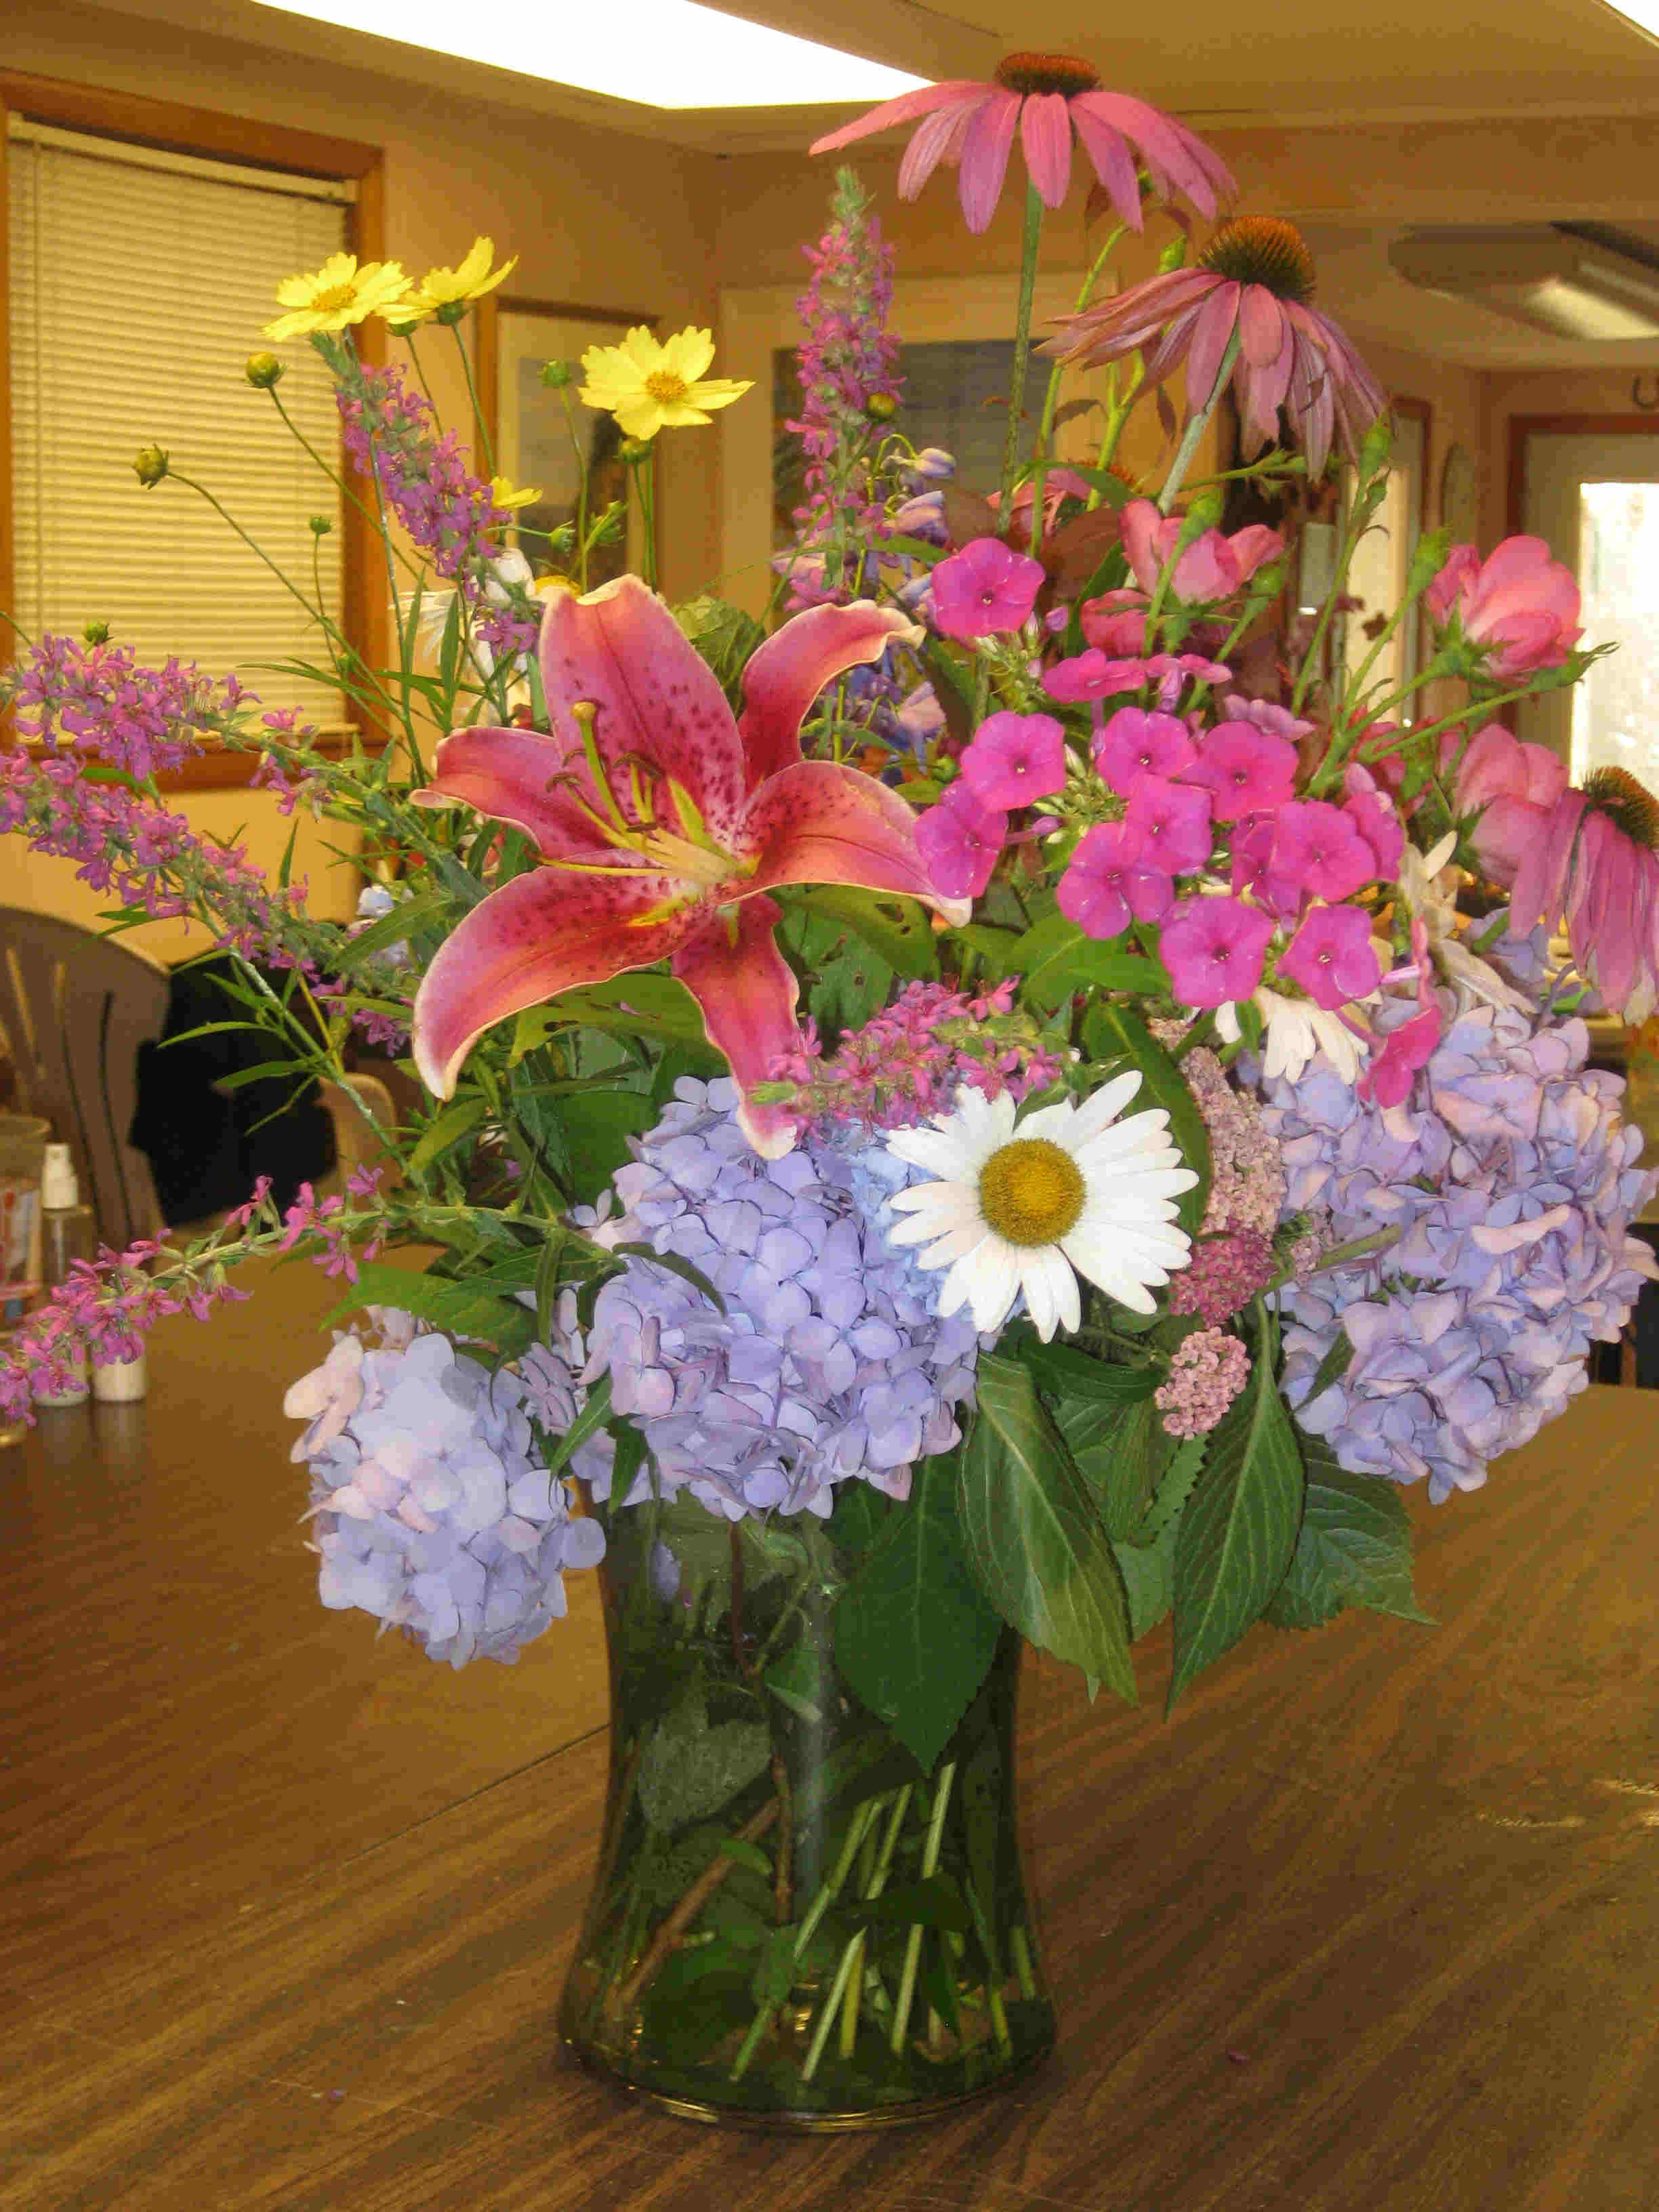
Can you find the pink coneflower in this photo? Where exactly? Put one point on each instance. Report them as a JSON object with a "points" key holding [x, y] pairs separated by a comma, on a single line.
{"points": [[1049, 97], [1255, 279], [1595, 863]]}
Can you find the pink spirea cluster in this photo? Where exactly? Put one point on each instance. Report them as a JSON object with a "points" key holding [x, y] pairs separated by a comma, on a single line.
{"points": [[97, 700], [1206, 1373], [449, 513], [910, 1060], [1223, 1275], [1247, 1190]]}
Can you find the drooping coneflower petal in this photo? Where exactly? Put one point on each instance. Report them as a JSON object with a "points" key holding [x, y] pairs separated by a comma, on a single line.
{"points": [[985, 150]]}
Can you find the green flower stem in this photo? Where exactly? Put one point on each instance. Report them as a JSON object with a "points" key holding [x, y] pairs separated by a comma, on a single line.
{"points": [[1028, 266], [913, 1943], [465, 352], [1051, 398], [577, 448], [1020, 1948], [408, 337], [340, 482], [644, 478], [1195, 429], [1117, 414], [843, 1981]]}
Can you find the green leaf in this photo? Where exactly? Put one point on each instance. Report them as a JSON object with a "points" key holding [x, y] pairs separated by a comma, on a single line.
{"points": [[935, 1903], [444, 1130], [689, 1770], [724, 635], [596, 1126], [1174, 1489], [675, 1266], [1112, 1032], [846, 983], [594, 1414], [797, 1680], [658, 1007], [1063, 1371], [914, 1634], [1148, 1571], [897, 929], [1354, 1547], [1239, 1528], [1123, 1466], [459, 1309], [1055, 958], [394, 928], [1338, 1357], [745, 1853], [775, 1975], [1032, 1532]]}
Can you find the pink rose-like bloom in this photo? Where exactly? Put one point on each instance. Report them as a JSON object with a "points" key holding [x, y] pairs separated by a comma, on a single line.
{"points": [[1213, 567], [1135, 743], [959, 840], [1213, 949], [1109, 883], [1015, 759], [1173, 822], [1332, 956], [1515, 787], [1520, 603], [985, 589], [1245, 770]]}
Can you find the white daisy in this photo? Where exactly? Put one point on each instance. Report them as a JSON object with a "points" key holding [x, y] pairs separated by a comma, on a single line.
{"points": [[1072, 1191]]}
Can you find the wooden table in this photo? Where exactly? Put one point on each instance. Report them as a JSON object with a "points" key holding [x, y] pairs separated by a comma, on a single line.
{"points": [[1373, 1924]]}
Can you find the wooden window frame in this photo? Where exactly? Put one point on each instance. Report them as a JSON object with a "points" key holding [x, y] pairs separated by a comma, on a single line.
{"points": [[178, 129]]}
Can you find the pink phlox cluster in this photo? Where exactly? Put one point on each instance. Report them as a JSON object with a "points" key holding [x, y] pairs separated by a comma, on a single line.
{"points": [[103, 1311], [1247, 1188], [847, 358], [1206, 1373], [910, 1060], [1225, 1273], [97, 701]]}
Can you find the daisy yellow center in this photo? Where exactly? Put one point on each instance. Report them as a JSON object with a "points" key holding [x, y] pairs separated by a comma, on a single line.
{"points": [[1030, 1191], [663, 385], [1029, 73], [1628, 804], [1265, 250]]}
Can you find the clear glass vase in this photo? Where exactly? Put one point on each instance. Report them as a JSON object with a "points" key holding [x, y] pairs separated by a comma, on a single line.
{"points": [[792, 1924]]}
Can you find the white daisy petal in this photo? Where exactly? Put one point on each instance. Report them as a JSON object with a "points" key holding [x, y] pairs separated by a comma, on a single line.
{"points": [[1036, 1282], [954, 1245], [1103, 1105], [1055, 1123], [993, 1284], [940, 1151]]}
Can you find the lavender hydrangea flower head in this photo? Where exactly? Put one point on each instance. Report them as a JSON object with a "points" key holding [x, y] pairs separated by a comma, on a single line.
{"points": [[1511, 1181], [432, 1509], [828, 1362]]}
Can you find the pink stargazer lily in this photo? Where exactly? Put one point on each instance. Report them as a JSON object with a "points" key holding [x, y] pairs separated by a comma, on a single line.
{"points": [[663, 822]]}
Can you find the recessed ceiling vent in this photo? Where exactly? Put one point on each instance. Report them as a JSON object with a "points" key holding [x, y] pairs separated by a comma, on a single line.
{"points": [[1574, 280]]}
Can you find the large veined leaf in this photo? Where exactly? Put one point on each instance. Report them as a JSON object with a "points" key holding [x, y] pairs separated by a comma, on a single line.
{"points": [[896, 927], [1239, 1527], [1033, 1533], [1354, 1547], [1112, 1032], [915, 1633], [462, 1309], [1055, 958]]}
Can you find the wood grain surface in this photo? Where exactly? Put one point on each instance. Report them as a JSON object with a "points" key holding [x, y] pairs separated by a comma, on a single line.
{"points": [[1373, 1923]]}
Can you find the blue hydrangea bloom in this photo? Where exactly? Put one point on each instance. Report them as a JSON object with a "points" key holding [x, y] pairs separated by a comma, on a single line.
{"points": [[1512, 1181], [431, 1508], [831, 1362]]}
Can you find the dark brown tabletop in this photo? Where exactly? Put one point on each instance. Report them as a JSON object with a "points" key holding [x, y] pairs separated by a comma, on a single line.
{"points": [[1372, 1925]]}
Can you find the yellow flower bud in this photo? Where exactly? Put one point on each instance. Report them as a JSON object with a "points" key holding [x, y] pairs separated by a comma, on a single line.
{"points": [[149, 465], [263, 371]]}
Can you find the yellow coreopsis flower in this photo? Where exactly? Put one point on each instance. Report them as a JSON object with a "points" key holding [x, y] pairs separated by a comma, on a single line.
{"points": [[452, 289], [650, 386], [337, 294], [507, 496]]}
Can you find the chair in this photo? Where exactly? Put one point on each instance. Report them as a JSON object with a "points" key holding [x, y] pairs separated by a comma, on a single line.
{"points": [[75, 1007]]}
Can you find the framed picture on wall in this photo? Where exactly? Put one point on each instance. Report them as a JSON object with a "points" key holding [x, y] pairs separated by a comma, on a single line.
{"points": [[536, 442]]}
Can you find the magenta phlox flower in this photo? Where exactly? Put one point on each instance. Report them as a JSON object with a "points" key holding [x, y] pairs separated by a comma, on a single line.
{"points": [[1332, 956], [1513, 787], [1377, 819], [1411, 1044], [1136, 744], [1115, 623], [1046, 98], [1244, 768], [1094, 674], [986, 588], [959, 840], [1014, 759], [1212, 566], [1318, 852], [1215, 949], [1109, 881], [1173, 822], [1520, 606]]}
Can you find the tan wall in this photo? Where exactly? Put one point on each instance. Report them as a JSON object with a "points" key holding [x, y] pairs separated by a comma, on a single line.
{"points": [[607, 222], [1550, 392]]}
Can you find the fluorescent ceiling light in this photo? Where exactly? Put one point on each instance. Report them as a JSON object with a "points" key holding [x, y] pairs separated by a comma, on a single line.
{"points": [[1548, 279], [662, 53]]}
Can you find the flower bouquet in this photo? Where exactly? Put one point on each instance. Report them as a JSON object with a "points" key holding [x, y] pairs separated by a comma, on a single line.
{"points": [[1014, 1098]]}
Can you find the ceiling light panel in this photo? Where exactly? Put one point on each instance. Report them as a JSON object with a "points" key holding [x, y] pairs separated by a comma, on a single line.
{"points": [[660, 53]]}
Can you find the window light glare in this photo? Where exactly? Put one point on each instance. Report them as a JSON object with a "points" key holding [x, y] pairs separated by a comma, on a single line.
{"points": [[660, 53]]}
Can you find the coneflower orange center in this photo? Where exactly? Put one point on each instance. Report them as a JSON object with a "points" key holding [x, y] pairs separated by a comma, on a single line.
{"points": [[1628, 804], [1030, 73], [1030, 1191], [1265, 250]]}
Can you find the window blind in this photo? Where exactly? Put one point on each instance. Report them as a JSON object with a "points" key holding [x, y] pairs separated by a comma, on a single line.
{"points": [[140, 284]]}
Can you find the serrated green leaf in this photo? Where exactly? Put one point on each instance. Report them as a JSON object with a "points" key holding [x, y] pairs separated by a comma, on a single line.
{"points": [[1354, 1548], [596, 1126], [724, 637], [1148, 1571], [1032, 1532], [1239, 1527], [913, 1632], [1175, 1487], [1114, 1032], [459, 1309]]}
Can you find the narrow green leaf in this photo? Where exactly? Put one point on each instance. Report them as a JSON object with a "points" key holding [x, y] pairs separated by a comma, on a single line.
{"points": [[593, 1416], [913, 1633], [675, 1266], [745, 1853], [1333, 1367], [444, 1130], [1354, 1547], [1032, 1531], [394, 928], [266, 1071], [1239, 1528], [1112, 1032], [634, 1005]]}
